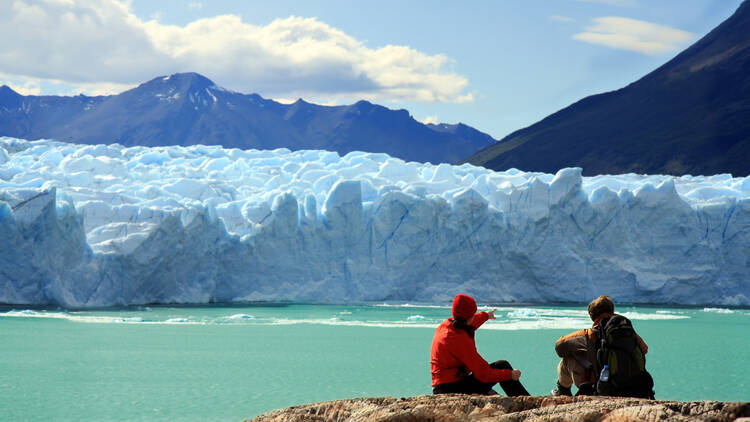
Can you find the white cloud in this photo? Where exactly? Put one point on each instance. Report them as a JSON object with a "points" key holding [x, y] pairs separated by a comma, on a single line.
{"points": [[559, 18], [28, 88], [430, 119], [620, 3], [35, 86], [103, 42], [285, 100], [634, 35], [100, 88]]}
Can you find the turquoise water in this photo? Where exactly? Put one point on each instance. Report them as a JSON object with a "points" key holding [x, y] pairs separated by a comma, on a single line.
{"points": [[233, 363]]}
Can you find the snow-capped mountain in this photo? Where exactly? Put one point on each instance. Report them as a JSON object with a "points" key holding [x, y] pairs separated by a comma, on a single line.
{"points": [[188, 109]]}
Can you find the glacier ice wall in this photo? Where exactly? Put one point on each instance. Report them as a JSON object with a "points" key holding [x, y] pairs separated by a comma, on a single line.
{"points": [[100, 225]]}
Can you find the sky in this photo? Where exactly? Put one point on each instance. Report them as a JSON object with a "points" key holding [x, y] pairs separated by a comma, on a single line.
{"points": [[496, 65]]}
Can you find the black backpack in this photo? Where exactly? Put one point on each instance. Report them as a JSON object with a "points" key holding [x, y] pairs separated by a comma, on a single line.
{"points": [[619, 348]]}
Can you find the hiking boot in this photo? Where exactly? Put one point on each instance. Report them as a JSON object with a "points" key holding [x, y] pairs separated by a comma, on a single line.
{"points": [[586, 389], [561, 391]]}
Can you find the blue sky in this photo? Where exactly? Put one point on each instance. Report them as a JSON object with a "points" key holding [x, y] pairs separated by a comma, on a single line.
{"points": [[496, 65]]}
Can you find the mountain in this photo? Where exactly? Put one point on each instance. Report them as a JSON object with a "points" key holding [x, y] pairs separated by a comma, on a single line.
{"points": [[689, 116], [187, 109]]}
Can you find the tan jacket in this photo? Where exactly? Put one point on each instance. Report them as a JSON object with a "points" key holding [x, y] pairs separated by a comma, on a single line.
{"points": [[581, 346]]}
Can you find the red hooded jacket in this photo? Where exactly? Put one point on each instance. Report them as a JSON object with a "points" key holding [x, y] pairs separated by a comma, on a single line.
{"points": [[454, 355]]}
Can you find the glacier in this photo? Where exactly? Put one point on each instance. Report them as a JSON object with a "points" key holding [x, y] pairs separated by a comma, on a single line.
{"points": [[104, 225]]}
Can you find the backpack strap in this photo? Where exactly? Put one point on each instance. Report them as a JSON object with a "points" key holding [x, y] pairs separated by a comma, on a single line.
{"points": [[600, 334]]}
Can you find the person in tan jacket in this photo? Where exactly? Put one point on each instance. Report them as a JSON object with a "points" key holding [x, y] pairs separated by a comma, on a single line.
{"points": [[578, 352]]}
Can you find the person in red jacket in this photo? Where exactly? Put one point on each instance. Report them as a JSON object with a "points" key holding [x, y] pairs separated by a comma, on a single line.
{"points": [[455, 364]]}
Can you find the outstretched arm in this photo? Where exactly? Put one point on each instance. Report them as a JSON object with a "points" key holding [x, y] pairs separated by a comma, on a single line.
{"points": [[482, 317]]}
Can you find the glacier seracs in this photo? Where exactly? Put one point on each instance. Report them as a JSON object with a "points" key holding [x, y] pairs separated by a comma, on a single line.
{"points": [[101, 225]]}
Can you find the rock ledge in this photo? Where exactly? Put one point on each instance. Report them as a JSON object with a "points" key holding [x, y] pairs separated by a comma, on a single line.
{"points": [[497, 408]]}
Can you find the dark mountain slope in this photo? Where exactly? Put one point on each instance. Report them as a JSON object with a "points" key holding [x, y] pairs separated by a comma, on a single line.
{"points": [[690, 116], [187, 108]]}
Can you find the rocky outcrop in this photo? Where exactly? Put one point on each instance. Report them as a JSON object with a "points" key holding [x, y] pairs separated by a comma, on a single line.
{"points": [[497, 408]]}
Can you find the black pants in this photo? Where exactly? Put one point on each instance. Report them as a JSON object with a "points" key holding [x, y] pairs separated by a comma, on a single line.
{"points": [[471, 385]]}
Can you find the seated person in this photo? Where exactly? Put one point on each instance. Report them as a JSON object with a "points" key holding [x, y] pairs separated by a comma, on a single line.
{"points": [[578, 352], [457, 367]]}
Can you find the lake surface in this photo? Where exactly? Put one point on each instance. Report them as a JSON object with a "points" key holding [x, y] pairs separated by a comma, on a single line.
{"points": [[235, 362]]}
